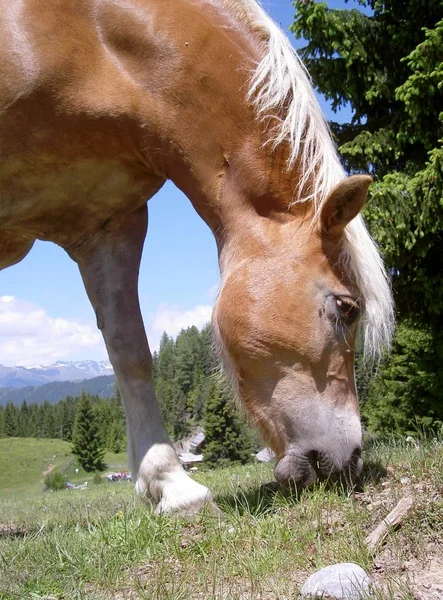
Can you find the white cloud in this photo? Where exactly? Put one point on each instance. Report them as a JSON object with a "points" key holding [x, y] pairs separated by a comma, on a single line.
{"points": [[172, 320], [29, 336]]}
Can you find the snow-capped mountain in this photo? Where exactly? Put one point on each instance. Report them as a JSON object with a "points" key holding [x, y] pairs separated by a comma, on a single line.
{"points": [[59, 371]]}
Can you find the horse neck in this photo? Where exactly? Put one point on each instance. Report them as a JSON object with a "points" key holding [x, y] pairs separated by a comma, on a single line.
{"points": [[196, 111], [244, 196], [239, 185], [215, 149]]}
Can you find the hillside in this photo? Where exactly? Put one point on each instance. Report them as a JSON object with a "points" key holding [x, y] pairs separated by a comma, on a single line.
{"points": [[23, 462], [58, 390]]}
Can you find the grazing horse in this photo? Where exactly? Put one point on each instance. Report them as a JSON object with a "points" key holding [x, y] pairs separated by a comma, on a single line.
{"points": [[102, 101]]}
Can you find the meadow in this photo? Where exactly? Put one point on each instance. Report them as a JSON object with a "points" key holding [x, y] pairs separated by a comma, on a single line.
{"points": [[105, 543]]}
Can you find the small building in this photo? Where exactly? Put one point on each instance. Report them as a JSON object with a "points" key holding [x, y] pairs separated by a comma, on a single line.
{"points": [[265, 455], [192, 443], [188, 459], [197, 441]]}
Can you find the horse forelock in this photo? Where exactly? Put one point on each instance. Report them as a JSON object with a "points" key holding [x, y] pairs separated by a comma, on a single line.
{"points": [[281, 89]]}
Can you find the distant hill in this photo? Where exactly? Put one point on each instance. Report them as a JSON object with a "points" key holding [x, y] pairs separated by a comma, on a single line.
{"points": [[58, 390], [20, 377]]}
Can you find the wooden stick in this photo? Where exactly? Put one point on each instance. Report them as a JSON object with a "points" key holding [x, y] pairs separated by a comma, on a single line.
{"points": [[375, 538]]}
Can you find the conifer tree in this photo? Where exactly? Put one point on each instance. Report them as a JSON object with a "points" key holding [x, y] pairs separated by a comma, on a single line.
{"points": [[86, 442], [69, 417], [166, 358], [227, 437], [186, 358], [23, 420], [10, 420], [49, 428], [116, 435], [33, 420], [210, 359]]}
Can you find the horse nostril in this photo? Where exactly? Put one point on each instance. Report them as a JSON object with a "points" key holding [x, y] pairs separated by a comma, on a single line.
{"points": [[295, 469], [314, 459], [357, 462], [321, 463], [357, 453]]}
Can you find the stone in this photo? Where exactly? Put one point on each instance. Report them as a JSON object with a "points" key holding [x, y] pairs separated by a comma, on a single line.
{"points": [[343, 581]]}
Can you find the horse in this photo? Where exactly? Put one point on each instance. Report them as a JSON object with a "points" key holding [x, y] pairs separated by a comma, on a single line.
{"points": [[101, 102]]}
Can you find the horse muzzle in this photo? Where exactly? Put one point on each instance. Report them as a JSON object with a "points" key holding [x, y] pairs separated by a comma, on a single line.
{"points": [[301, 468]]}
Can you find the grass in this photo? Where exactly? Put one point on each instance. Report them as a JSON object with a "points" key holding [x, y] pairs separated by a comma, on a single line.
{"points": [[23, 461], [103, 542]]}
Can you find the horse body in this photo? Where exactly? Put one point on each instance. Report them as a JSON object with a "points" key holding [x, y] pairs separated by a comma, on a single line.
{"points": [[100, 103]]}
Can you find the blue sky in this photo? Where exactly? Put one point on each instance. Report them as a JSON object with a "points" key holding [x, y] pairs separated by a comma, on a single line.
{"points": [[45, 314]]}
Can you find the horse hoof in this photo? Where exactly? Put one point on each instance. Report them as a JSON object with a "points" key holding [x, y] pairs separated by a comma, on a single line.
{"points": [[201, 508]]}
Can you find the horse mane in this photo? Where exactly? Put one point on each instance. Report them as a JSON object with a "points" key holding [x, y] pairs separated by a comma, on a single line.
{"points": [[281, 88]]}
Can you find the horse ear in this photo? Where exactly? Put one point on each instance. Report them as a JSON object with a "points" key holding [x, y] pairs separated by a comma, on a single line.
{"points": [[343, 203]]}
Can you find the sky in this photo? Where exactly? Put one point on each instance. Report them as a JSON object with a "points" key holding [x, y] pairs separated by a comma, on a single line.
{"points": [[44, 311]]}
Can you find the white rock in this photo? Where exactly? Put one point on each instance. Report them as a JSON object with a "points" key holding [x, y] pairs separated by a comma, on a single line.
{"points": [[344, 581]]}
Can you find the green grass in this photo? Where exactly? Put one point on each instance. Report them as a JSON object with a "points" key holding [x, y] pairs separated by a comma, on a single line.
{"points": [[24, 460], [104, 543]]}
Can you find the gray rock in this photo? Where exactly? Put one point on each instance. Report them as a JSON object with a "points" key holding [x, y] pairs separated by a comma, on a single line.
{"points": [[344, 581]]}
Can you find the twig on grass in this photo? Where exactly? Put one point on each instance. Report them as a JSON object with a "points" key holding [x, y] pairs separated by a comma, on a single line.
{"points": [[374, 539]]}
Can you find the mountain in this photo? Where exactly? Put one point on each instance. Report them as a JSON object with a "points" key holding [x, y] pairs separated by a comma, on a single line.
{"points": [[58, 390], [20, 377]]}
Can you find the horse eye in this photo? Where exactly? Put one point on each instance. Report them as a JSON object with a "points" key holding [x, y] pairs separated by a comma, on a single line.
{"points": [[349, 309]]}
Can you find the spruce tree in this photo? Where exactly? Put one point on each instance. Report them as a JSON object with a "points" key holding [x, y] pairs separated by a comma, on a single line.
{"points": [[23, 420], [166, 358], [184, 361], [227, 436], [49, 427], [33, 421], [116, 435], [69, 411], [86, 442], [10, 420], [210, 359]]}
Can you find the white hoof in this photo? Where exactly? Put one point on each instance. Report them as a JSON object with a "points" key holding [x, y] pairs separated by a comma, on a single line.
{"points": [[191, 501], [177, 493]]}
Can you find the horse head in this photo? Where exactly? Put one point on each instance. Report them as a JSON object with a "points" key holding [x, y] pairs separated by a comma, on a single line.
{"points": [[287, 319]]}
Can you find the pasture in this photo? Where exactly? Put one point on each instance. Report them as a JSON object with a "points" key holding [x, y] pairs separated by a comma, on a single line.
{"points": [[103, 542]]}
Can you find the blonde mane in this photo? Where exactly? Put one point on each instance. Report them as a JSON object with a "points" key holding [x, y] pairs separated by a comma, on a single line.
{"points": [[281, 88]]}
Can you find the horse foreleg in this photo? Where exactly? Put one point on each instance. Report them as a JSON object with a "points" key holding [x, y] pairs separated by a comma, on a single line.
{"points": [[109, 264]]}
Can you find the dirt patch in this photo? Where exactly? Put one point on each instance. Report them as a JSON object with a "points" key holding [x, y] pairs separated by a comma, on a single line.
{"points": [[427, 579], [12, 530], [420, 578], [48, 470], [180, 578]]}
